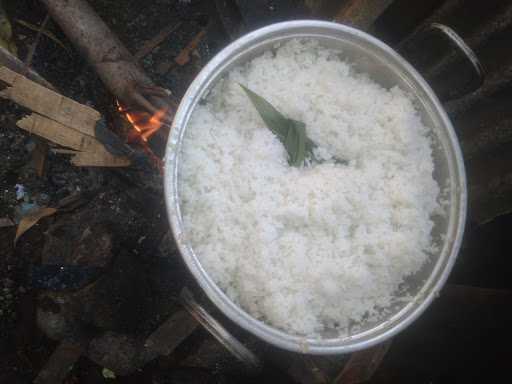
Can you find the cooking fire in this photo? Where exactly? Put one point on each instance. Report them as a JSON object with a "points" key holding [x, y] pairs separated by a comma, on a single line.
{"points": [[145, 124]]}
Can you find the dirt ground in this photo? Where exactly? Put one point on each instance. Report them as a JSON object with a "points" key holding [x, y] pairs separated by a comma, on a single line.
{"points": [[463, 337], [131, 209]]}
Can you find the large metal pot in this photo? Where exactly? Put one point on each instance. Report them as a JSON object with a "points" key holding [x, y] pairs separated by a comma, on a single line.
{"points": [[386, 67]]}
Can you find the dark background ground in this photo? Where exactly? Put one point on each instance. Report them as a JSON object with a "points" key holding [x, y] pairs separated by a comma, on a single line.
{"points": [[464, 336]]}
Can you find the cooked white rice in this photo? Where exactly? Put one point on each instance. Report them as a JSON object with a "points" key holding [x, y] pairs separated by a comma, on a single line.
{"points": [[317, 247]]}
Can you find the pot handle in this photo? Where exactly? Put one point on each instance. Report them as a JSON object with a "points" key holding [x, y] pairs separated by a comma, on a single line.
{"points": [[218, 331], [462, 50]]}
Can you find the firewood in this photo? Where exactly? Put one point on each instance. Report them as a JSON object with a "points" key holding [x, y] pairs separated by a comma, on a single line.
{"points": [[62, 359], [159, 38], [361, 13], [184, 56], [10, 61], [98, 159], [86, 150], [60, 120], [56, 132], [48, 103], [115, 65]]}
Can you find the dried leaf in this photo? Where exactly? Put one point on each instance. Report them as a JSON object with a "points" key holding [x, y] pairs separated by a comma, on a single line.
{"points": [[48, 34], [32, 218]]}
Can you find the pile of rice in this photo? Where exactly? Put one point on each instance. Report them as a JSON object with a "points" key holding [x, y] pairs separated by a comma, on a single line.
{"points": [[319, 247]]}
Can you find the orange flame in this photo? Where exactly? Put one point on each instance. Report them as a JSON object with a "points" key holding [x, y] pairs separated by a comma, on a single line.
{"points": [[145, 124]]}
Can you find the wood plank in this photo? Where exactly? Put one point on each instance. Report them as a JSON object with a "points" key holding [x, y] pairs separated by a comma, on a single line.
{"points": [[60, 362], [60, 120], [56, 132], [361, 13], [166, 338], [99, 159], [48, 103], [363, 364], [86, 150]]}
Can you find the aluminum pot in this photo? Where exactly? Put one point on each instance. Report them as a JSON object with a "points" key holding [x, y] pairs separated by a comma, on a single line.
{"points": [[385, 66]]}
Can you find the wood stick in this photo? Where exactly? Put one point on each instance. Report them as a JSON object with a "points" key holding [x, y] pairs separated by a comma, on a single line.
{"points": [[59, 119], [10, 61], [150, 45], [114, 64], [33, 47], [184, 56]]}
